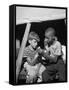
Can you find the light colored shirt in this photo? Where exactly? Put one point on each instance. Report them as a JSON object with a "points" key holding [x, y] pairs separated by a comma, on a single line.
{"points": [[55, 49]]}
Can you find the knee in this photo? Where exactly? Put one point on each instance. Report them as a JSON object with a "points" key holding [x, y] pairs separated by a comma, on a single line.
{"points": [[44, 76]]}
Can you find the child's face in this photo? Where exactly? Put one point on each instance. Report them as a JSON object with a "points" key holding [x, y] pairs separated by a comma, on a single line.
{"points": [[33, 43], [48, 37]]}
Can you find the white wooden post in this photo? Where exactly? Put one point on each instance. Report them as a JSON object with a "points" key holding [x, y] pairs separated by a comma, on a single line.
{"points": [[21, 51]]}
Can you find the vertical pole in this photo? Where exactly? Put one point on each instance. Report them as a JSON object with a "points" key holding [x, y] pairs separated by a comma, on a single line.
{"points": [[21, 51]]}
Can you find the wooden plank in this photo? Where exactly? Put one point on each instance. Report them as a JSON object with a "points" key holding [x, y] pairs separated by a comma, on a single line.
{"points": [[21, 51], [33, 14]]}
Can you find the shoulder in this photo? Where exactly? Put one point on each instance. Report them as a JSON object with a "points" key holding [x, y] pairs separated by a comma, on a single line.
{"points": [[27, 48], [57, 48], [57, 44], [26, 51]]}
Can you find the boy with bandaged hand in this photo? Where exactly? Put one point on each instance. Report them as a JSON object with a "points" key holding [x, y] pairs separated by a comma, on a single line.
{"points": [[32, 66], [52, 56]]}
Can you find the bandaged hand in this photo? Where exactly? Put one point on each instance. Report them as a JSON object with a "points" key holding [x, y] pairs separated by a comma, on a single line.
{"points": [[39, 50]]}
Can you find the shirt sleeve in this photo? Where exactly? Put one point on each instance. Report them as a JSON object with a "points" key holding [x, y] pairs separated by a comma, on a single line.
{"points": [[26, 52]]}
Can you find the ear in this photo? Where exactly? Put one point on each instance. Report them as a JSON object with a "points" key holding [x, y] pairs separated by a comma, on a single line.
{"points": [[29, 41]]}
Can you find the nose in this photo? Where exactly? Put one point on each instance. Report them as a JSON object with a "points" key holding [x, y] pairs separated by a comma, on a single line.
{"points": [[36, 43]]}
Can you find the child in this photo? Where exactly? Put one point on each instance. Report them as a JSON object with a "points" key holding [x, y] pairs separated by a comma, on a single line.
{"points": [[52, 54], [32, 65]]}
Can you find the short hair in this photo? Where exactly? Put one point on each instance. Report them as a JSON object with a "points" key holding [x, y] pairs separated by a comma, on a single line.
{"points": [[33, 35], [50, 29]]}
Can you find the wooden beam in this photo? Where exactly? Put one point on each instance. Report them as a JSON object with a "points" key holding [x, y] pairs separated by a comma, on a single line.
{"points": [[21, 51]]}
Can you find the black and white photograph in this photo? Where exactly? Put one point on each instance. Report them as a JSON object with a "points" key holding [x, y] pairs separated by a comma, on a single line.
{"points": [[39, 49]]}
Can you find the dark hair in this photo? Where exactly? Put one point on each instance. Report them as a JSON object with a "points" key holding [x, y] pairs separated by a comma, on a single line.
{"points": [[33, 35], [50, 29]]}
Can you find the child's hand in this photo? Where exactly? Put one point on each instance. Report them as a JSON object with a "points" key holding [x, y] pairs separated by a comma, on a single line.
{"points": [[39, 50]]}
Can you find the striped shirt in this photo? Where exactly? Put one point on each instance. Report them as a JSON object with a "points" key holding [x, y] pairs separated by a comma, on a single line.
{"points": [[29, 52]]}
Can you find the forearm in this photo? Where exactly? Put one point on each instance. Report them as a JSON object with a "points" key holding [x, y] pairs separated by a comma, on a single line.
{"points": [[50, 58], [32, 61]]}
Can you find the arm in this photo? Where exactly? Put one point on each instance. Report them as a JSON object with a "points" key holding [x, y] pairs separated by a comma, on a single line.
{"points": [[49, 58], [55, 52], [33, 60]]}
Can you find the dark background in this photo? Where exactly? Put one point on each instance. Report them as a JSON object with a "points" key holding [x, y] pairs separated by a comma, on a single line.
{"points": [[40, 27]]}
